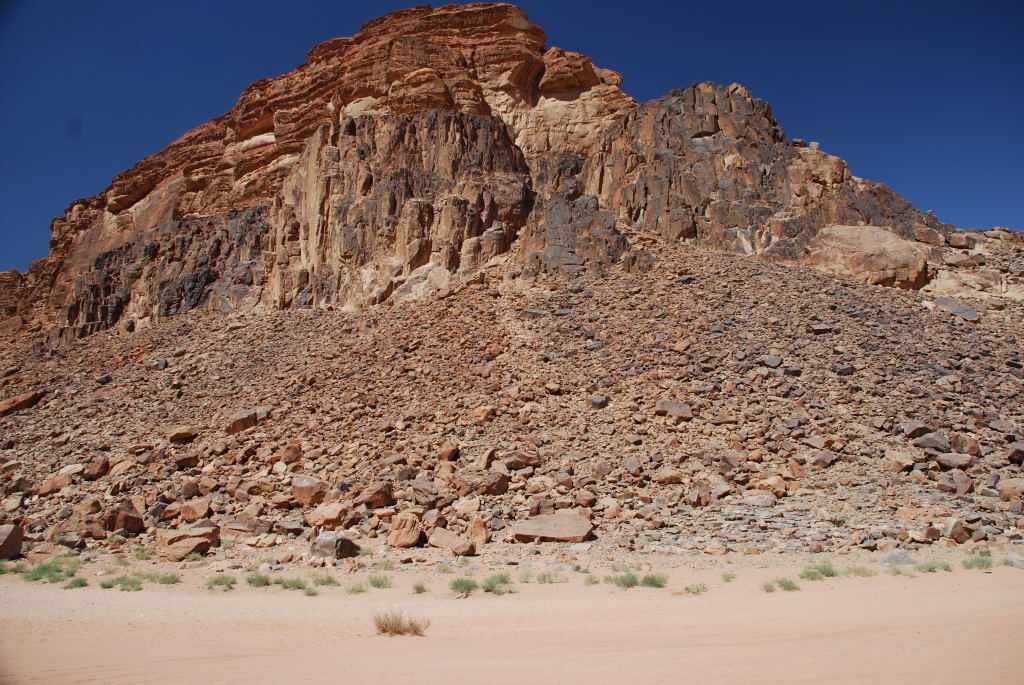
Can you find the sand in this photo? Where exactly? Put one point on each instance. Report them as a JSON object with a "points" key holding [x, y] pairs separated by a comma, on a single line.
{"points": [[966, 626]]}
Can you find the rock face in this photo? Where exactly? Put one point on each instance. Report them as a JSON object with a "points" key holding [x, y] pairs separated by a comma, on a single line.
{"points": [[870, 255], [398, 162]]}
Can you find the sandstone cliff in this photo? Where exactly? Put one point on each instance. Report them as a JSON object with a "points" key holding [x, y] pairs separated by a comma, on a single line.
{"points": [[398, 161]]}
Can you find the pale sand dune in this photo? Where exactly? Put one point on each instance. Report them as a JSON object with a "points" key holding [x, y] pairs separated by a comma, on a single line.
{"points": [[960, 627]]}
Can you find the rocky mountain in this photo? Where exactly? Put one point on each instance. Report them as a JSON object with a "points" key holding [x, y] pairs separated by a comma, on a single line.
{"points": [[442, 282], [398, 161]]}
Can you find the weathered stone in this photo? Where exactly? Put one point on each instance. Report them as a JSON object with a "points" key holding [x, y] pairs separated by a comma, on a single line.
{"points": [[309, 491], [456, 544], [915, 429], [481, 483], [10, 541], [182, 434], [405, 531], [758, 498], [186, 460], [675, 410], [176, 544], [194, 510], [562, 526], [26, 400], [333, 545], [376, 495], [932, 441], [332, 515], [953, 460], [247, 418]]}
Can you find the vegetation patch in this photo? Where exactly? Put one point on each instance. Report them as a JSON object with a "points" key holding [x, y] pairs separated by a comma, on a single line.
{"points": [[498, 584], [787, 585], [463, 586], [395, 623], [933, 566], [258, 580], [221, 581], [75, 583], [657, 580], [623, 580], [978, 563], [379, 582]]}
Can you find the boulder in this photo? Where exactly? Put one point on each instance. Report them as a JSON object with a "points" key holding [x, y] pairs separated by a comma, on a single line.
{"points": [[176, 544], [309, 491], [376, 495], [481, 483], [26, 400], [332, 515], [674, 410], [333, 545], [405, 531], [246, 418], [182, 434], [868, 254], [10, 541], [456, 544], [562, 526]]}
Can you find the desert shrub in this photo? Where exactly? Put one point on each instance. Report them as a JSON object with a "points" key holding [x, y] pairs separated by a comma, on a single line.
{"points": [[221, 581], [395, 623], [786, 585], [463, 586], [591, 579], [379, 582], [654, 580], [933, 566], [419, 588], [355, 589], [550, 577], [324, 579], [978, 562], [728, 577], [75, 583], [623, 580], [696, 589], [498, 584], [768, 587], [860, 571], [258, 580]]}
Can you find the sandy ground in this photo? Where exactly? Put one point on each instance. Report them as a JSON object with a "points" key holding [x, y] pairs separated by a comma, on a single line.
{"points": [[966, 626]]}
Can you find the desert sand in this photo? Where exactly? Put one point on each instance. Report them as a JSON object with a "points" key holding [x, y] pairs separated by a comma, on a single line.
{"points": [[964, 626]]}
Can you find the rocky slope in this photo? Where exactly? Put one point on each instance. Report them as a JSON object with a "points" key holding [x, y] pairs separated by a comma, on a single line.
{"points": [[396, 162], [441, 282]]}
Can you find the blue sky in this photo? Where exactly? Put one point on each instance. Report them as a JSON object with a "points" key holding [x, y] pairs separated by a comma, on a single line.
{"points": [[924, 96]]}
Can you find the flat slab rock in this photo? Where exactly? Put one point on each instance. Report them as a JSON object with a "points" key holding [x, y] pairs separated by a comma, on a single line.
{"points": [[557, 527]]}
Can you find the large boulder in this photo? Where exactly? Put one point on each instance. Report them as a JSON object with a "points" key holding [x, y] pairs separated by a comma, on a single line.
{"points": [[176, 544], [868, 254], [333, 545], [456, 544], [405, 531], [562, 526], [10, 541]]}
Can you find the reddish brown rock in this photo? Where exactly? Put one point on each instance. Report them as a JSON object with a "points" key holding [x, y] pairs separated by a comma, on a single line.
{"points": [[18, 402], [182, 434], [869, 254], [376, 495], [405, 531], [309, 491], [10, 541], [176, 544], [456, 544]]}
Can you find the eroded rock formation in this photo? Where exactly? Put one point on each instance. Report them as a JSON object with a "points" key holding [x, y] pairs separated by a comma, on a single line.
{"points": [[400, 160]]}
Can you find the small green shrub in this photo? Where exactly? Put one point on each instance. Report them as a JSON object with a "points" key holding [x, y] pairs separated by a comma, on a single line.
{"points": [[366, 551], [498, 584], [728, 577], [291, 583], [194, 556], [697, 589], [463, 586], [75, 583], [860, 572], [591, 579], [419, 588], [384, 565], [379, 582], [550, 577], [786, 585], [310, 592], [445, 568], [222, 581], [56, 571], [324, 579], [258, 580], [143, 553], [131, 585], [768, 587], [13, 568], [978, 562], [395, 623], [819, 571], [933, 566], [900, 571], [624, 580], [355, 589], [526, 576], [657, 580]]}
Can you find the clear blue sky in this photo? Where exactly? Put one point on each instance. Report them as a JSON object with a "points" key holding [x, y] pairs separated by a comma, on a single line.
{"points": [[927, 97]]}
